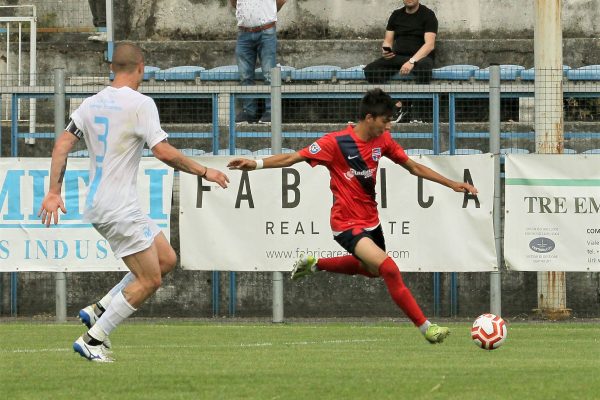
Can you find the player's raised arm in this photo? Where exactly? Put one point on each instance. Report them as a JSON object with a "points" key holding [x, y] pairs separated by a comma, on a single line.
{"points": [[174, 158], [276, 161], [53, 200], [424, 172]]}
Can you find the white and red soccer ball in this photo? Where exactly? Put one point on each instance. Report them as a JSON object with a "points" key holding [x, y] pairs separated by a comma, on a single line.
{"points": [[489, 331]]}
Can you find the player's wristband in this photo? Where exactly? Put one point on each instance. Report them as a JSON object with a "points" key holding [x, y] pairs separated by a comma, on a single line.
{"points": [[259, 164]]}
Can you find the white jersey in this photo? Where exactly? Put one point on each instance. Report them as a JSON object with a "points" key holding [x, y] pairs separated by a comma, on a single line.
{"points": [[116, 123], [252, 13]]}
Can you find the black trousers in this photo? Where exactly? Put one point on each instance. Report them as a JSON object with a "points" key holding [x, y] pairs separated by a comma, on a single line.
{"points": [[98, 8], [382, 69]]}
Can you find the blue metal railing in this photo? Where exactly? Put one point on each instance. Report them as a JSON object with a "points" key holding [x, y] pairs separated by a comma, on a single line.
{"points": [[454, 134], [234, 134], [434, 97]]}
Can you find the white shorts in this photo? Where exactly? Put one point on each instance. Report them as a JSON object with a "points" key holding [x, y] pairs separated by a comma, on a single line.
{"points": [[129, 235]]}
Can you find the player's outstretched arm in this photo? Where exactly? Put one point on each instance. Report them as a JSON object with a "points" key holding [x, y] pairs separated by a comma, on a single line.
{"points": [[276, 161], [174, 158], [427, 173], [53, 201]]}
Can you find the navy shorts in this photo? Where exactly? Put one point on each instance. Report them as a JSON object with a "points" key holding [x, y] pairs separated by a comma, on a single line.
{"points": [[349, 238]]}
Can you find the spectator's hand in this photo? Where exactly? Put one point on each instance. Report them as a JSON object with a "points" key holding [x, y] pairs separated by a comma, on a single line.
{"points": [[243, 164], [214, 175], [406, 68], [388, 55]]}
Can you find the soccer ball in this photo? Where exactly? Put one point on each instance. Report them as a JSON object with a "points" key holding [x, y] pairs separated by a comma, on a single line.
{"points": [[489, 331]]}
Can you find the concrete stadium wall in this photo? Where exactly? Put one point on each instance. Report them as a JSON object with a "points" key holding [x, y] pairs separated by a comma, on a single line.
{"points": [[89, 56], [317, 19], [313, 32]]}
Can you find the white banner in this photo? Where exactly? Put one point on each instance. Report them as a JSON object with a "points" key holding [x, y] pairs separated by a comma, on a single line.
{"points": [[267, 218], [72, 245], [552, 207]]}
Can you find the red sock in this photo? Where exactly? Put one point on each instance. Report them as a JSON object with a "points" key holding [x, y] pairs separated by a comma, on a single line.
{"points": [[348, 265], [400, 293]]}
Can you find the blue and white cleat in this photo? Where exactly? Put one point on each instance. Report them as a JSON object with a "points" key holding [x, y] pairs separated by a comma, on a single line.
{"points": [[88, 317], [91, 353]]}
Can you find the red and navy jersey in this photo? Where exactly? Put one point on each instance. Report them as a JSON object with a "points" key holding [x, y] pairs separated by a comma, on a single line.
{"points": [[352, 165]]}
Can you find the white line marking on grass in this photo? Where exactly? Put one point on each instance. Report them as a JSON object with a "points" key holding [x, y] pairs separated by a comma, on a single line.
{"points": [[278, 327], [33, 350], [339, 341], [191, 346], [439, 385]]}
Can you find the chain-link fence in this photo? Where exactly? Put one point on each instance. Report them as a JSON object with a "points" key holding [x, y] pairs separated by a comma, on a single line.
{"points": [[207, 112]]}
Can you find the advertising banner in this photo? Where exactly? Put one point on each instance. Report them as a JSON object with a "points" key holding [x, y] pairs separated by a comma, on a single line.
{"points": [[552, 207], [72, 245], [265, 219]]}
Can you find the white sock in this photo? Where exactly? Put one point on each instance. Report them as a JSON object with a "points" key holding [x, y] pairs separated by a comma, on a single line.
{"points": [[127, 279], [423, 328], [97, 333], [117, 311]]}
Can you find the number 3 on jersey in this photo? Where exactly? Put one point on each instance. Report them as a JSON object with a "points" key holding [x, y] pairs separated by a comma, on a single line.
{"points": [[99, 159]]}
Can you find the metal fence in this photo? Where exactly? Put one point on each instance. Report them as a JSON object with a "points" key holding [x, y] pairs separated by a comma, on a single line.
{"points": [[204, 115]]}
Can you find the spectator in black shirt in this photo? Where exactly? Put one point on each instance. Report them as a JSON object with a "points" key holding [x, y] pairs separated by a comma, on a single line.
{"points": [[408, 45]]}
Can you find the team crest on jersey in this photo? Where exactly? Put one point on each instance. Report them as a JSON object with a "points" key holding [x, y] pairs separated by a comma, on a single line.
{"points": [[376, 153], [314, 148]]}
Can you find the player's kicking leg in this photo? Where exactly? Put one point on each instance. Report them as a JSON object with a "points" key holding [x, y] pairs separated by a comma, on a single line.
{"points": [[304, 266], [97, 353], [374, 257], [436, 334], [90, 314]]}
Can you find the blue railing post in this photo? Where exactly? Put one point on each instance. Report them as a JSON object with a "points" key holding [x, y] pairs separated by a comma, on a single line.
{"points": [[110, 39], [452, 122], [453, 294], [215, 122], [14, 125], [13, 294], [436, 123], [436, 294], [216, 282], [232, 285], [232, 293], [452, 150], [232, 131], [14, 148]]}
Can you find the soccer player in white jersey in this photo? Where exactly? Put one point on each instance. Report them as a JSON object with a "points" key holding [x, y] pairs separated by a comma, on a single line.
{"points": [[115, 124]]}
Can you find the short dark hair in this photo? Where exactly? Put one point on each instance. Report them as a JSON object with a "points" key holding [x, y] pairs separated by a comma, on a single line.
{"points": [[377, 103], [126, 57]]}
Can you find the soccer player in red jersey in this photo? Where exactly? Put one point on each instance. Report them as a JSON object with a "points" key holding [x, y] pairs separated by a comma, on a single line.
{"points": [[352, 157]]}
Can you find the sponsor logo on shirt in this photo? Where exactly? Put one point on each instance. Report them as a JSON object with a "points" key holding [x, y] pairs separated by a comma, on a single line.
{"points": [[376, 153], [367, 173], [314, 148], [147, 232]]}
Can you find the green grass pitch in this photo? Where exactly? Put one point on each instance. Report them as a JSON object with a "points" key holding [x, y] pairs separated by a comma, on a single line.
{"points": [[204, 360]]}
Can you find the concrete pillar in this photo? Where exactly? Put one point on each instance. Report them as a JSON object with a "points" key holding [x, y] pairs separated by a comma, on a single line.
{"points": [[549, 129]]}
